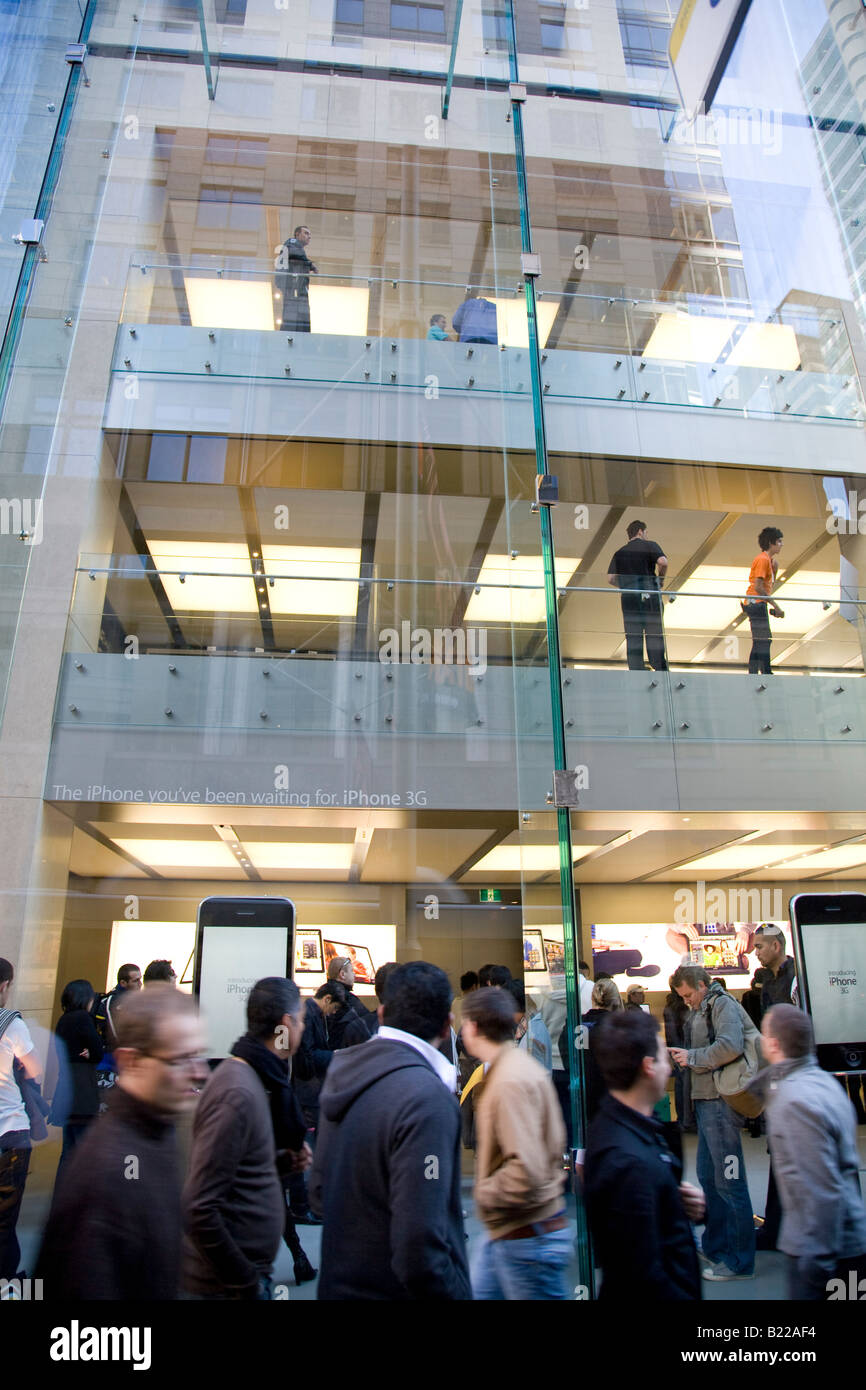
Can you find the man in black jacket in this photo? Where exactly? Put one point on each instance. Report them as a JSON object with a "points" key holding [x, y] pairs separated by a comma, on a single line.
{"points": [[386, 1175], [639, 1208], [293, 281], [115, 1226]]}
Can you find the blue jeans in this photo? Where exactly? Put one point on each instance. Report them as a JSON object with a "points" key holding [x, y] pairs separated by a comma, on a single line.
{"points": [[14, 1163], [517, 1270], [729, 1229]]}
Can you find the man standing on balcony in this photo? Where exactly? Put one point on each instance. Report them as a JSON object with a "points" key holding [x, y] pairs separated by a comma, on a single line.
{"points": [[638, 570], [294, 269]]}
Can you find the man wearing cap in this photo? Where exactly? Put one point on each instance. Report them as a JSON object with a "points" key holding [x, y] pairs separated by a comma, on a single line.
{"points": [[342, 970]]}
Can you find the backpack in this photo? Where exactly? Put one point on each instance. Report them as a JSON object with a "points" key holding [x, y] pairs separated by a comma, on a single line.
{"points": [[31, 1092], [732, 1080]]}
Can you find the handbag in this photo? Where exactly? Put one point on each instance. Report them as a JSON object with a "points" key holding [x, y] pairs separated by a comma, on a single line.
{"points": [[733, 1079]]}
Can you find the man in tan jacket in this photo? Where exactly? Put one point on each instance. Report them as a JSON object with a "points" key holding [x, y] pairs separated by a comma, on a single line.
{"points": [[519, 1174]]}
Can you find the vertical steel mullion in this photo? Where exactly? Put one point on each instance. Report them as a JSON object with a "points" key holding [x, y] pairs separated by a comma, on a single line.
{"points": [[449, 81], [575, 1063]]}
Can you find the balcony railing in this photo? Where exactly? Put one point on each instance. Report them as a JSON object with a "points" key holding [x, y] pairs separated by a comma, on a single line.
{"points": [[223, 321]]}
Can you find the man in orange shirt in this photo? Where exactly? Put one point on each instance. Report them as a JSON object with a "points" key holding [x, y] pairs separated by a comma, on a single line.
{"points": [[762, 578]]}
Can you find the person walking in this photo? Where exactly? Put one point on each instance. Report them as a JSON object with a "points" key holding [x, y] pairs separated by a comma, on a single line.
{"points": [[519, 1176], [778, 986], [762, 581], [716, 1034], [115, 1228], [812, 1131], [16, 1050], [247, 1120], [386, 1172], [294, 269], [639, 1208], [638, 570], [342, 970], [76, 1099]]}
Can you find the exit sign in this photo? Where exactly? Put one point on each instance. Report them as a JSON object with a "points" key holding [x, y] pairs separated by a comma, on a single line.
{"points": [[490, 895]]}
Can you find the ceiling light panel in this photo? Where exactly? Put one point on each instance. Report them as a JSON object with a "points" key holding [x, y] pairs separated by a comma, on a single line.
{"points": [[688, 338], [313, 580], [336, 856], [508, 604], [530, 859], [180, 854], [196, 583], [227, 303], [741, 858]]}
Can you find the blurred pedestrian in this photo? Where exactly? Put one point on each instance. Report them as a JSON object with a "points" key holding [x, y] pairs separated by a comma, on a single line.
{"points": [[247, 1121], [386, 1172], [16, 1051], [639, 1208], [76, 1099], [813, 1141], [519, 1176], [115, 1228]]}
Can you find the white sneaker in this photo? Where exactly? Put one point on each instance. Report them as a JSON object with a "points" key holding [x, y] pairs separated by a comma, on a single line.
{"points": [[721, 1271]]}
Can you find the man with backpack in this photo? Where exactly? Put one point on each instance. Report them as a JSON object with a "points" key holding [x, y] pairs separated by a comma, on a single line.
{"points": [[718, 1032], [16, 1050], [128, 983]]}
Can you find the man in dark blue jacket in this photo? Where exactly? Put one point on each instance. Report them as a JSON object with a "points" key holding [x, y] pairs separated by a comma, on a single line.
{"points": [[386, 1174], [639, 1209]]}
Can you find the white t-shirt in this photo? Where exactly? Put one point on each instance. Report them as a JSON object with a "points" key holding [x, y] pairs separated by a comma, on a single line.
{"points": [[16, 1042]]}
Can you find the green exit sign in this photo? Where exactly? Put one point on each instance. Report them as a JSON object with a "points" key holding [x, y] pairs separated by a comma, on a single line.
{"points": [[490, 895]]}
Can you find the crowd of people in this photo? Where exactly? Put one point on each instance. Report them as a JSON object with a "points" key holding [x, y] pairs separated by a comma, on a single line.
{"points": [[328, 1113]]}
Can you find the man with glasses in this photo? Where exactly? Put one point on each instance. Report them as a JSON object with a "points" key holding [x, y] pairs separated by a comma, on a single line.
{"points": [[114, 1231]]}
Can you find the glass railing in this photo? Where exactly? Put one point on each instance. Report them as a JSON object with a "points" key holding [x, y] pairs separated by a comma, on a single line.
{"points": [[287, 602], [239, 320]]}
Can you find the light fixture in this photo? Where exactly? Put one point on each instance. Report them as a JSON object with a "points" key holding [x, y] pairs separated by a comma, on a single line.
{"points": [[769, 345], [688, 338], [742, 858], [512, 324], [303, 857], [314, 579], [201, 587], [510, 603], [227, 303], [180, 854], [531, 859]]}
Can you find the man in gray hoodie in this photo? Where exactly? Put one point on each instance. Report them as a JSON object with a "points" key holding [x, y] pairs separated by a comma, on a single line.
{"points": [[812, 1129]]}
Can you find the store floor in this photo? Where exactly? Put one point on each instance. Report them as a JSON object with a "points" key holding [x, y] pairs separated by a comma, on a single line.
{"points": [[769, 1282]]}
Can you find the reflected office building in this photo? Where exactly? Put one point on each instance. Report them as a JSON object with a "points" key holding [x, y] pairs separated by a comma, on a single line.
{"points": [[285, 609]]}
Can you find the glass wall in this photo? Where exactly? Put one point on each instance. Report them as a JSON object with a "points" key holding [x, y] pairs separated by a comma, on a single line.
{"points": [[301, 619]]}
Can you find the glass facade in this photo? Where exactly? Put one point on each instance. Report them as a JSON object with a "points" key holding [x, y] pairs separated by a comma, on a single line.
{"points": [[325, 297]]}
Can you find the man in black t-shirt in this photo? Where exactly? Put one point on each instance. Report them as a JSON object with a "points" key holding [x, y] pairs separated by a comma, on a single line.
{"points": [[638, 571]]}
